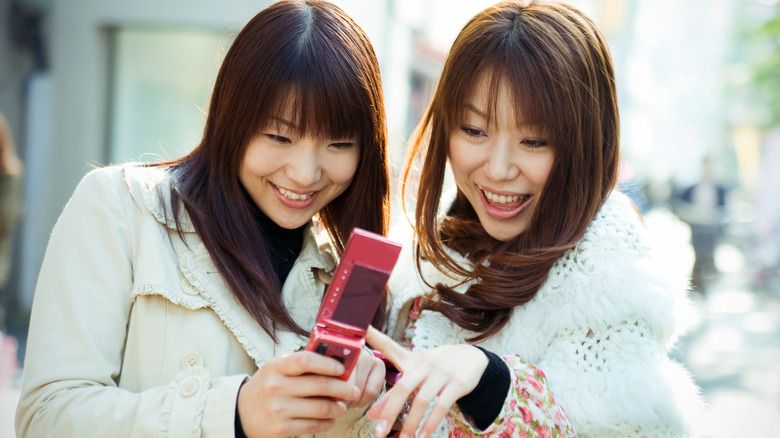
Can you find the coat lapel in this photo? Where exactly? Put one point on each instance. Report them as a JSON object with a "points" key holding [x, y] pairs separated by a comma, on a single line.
{"points": [[198, 268], [302, 293]]}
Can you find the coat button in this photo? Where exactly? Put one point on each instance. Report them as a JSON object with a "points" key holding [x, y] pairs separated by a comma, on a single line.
{"points": [[323, 276], [189, 387], [191, 359]]}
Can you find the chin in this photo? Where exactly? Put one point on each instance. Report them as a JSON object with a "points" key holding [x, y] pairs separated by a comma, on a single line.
{"points": [[503, 236]]}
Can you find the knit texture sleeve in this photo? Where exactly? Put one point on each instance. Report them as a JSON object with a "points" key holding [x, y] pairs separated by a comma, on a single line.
{"points": [[617, 381]]}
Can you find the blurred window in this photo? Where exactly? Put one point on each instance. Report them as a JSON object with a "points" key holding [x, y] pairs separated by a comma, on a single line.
{"points": [[160, 82]]}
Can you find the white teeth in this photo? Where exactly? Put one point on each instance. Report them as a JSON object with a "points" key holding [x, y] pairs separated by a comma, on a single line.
{"points": [[294, 196], [501, 199]]}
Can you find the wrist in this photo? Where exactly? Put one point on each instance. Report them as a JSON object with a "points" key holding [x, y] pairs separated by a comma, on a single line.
{"points": [[484, 403], [237, 426]]}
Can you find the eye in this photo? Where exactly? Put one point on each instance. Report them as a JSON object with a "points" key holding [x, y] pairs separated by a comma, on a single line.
{"points": [[279, 138], [342, 145], [472, 132], [534, 143]]}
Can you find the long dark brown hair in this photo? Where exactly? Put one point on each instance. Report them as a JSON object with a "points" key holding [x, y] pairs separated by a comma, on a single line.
{"points": [[312, 54], [558, 67]]}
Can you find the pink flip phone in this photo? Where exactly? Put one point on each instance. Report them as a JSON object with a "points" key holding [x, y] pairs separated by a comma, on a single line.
{"points": [[352, 299]]}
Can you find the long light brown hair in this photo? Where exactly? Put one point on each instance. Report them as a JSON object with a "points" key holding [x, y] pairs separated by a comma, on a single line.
{"points": [[310, 53], [558, 67]]}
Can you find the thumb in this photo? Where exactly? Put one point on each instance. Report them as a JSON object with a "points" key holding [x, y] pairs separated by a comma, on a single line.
{"points": [[387, 346]]}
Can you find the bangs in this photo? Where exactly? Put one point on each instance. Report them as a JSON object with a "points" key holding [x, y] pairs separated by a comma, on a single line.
{"points": [[516, 55], [306, 70], [320, 100], [530, 105]]}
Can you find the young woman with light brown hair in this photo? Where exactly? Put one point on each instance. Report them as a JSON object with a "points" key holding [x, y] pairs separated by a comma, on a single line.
{"points": [[538, 261]]}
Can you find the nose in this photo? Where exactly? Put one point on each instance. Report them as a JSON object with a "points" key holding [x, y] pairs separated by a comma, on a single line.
{"points": [[500, 162], [304, 167]]}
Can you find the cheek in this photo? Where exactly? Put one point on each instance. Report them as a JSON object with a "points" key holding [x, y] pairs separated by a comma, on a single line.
{"points": [[461, 162], [258, 161], [544, 172], [342, 169], [245, 172], [537, 169]]}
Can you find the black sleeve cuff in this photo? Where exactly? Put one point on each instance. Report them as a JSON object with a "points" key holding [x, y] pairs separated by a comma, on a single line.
{"points": [[237, 422], [484, 403]]}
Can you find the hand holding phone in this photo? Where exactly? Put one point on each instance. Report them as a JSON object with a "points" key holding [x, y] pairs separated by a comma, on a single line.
{"points": [[352, 299]]}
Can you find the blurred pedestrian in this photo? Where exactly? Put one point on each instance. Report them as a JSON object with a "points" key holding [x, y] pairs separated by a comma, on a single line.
{"points": [[10, 209], [702, 207], [10, 214], [766, 228]]}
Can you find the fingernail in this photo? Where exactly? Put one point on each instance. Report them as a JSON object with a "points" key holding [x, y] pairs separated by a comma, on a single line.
{"points": [[381, 428], [422, 434]]}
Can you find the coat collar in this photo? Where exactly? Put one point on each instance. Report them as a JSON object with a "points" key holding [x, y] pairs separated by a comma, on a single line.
{"points": [[301, 292], [157, 197]]}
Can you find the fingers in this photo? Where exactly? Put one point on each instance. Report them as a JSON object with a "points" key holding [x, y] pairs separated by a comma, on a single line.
{"points": [[390, 405], [446, 399], [427, 393], [306, 408], [443, 374], [387, 346], [313, 385], [267, 407], [413, 411], [307, 362], [369, 377], [316, 408], [303, 374]]}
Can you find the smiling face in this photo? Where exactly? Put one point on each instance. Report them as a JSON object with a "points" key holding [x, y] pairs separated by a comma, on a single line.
{"points": [[500, 165], [291, 176]]}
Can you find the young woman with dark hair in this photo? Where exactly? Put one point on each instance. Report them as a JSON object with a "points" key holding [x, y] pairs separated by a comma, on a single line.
{"points": [[539, 262], [165, 286]]}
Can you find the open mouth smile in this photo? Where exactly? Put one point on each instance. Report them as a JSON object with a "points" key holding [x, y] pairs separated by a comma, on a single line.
{"points": [[292, 195], [504, 202]]}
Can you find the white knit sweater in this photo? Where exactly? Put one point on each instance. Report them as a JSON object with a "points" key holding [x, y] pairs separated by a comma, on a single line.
{"points": [[599, 327]]}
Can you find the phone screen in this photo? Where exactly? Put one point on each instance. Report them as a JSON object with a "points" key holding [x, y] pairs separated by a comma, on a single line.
{"points": [[361, 296]]}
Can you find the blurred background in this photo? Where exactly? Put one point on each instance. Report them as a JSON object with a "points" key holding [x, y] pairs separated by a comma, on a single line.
{"points": [[91, 82]]}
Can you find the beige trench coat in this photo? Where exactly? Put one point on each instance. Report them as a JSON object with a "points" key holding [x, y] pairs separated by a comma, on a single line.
{"points": [[133, 333]]}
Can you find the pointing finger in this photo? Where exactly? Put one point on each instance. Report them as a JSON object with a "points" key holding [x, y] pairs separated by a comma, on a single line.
{"points": [[387, 346]]}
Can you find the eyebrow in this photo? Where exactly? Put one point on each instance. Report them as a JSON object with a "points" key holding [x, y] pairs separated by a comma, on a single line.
{"points": [[475, 110], [288, 123], [480, 113]]}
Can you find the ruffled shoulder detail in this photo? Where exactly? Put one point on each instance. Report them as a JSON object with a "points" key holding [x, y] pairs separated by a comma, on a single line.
{"points": [[196, 266], [154, 186]]}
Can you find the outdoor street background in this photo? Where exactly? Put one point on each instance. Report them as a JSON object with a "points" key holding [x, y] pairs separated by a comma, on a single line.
{"points": [[92, 82], [732, 346]]}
